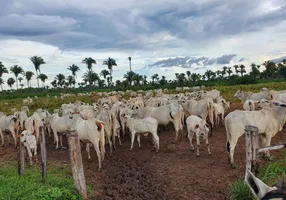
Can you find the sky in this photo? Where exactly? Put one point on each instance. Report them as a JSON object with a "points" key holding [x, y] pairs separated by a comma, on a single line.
{"points": [[163, 36]]}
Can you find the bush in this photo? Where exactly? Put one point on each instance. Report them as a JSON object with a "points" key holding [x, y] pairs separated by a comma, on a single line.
{"points": [[240, 191], [59, 184]]}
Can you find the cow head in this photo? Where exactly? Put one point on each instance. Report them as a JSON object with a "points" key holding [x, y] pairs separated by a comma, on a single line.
{"points": [[238, 94]]}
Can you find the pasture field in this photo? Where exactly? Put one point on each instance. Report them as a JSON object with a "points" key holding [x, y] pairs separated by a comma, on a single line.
{"points": [[174, 173]]}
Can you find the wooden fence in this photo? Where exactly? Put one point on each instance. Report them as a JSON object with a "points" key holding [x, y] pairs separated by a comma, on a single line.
{"points": [[75, 157], [252, 148]]}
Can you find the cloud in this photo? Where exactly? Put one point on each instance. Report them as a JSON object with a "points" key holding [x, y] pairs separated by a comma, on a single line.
{"points": [[172, 35], [33, 25], [188, 62]]}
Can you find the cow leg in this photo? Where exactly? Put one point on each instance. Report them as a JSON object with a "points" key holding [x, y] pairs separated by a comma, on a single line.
{"points": [[119, 139], [190, 136], [56, 138], [8, 138], [268, 143], [2, 139], [263, 142], [156, 141], [29, 153], [110, 145], [208, 146], [61, 139], [113, 140], [198, 144], [138, 140], [15, 139], [132, 141], [88, 151], [96, 147], [232, 144]]}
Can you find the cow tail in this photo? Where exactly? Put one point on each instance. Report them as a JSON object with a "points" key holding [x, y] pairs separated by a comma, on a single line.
{"points": [[227, 133], [211, 112], [171, 115]]}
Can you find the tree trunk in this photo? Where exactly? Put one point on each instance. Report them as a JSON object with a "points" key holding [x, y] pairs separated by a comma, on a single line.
{"points": [[37, 78], [130, 65], [16, 82]]}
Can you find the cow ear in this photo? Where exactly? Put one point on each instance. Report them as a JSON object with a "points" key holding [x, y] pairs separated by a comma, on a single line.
{"points": [[197, 126], [21, 135], [276, 103], [34, 133], [258, 188]]}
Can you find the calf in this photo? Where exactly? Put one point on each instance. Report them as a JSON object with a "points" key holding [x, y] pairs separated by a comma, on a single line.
{"points": [[29, 141], [145, 126], [197, 126]]}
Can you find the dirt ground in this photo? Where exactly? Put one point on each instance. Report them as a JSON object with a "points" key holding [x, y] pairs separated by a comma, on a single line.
{"points": [[173, 173]]}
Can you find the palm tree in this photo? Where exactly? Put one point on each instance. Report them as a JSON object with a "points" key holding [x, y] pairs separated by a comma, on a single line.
{"points": [[104, 73], [28, 75], [89, 61], [188, 74], [74, 69], [70, 80], [242, 69], [60, 79], [3, 69], [224, 70], [91, 77], [16, 70], [229, 71], [10, 82], [236, 69], [54, 83], [129, 76], [129, 58], [43, 78], [153, 77], [145, 80], [110, 62], [163, 80], [208, 74], [37, 61], [137, 78]]}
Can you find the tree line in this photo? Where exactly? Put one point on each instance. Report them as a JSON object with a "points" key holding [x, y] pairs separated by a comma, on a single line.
{"points": [[228, 75]]}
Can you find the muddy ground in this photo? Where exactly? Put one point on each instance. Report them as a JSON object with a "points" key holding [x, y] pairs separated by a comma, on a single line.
{"points": [[173, 173]]}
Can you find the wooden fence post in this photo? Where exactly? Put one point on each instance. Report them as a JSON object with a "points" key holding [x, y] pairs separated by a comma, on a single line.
{"points": [[252, 147], [43, 154], [21, 159], [76, 163]]}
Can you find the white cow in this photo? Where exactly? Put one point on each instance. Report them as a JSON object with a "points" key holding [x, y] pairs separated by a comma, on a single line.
{"points": [[243, 96], [91, 131], [143, 126], [198, 127], [29, 141], [11, 124], [269, 122], [164, 114]]}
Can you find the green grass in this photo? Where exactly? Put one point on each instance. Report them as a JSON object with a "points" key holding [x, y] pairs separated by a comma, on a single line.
{"points": [[59, 183], [269, 173], [240, 191]]}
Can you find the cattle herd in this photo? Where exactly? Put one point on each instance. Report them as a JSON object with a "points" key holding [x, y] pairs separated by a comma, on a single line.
{"points": [[112, 118]]}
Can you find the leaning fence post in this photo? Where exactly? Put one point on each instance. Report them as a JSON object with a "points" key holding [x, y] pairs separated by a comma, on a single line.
{"points": [[21, 159], [43, 154], [76, 163], [252, 147]]}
